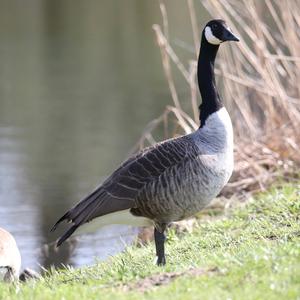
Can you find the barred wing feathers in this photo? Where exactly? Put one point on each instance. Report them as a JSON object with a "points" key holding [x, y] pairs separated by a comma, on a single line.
{"points": [[119, 191]]}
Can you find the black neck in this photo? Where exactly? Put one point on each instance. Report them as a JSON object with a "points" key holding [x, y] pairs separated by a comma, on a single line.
{"points": [[211, 101]]}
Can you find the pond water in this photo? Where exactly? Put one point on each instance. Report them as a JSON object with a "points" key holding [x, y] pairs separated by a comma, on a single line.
{"points": [[79, 80]]}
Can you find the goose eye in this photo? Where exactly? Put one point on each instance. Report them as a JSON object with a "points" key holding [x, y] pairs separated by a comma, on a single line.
{"points": [[214, 26]]}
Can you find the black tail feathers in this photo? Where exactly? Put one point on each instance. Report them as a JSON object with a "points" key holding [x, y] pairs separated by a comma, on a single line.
{"points": [[66, 235], [64, 217]]}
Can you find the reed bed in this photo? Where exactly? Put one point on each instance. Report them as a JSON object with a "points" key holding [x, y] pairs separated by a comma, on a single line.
{"points": [[259, 81]]}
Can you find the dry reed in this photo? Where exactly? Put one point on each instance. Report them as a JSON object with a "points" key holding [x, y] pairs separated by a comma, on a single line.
{"points": [[259, 79]]}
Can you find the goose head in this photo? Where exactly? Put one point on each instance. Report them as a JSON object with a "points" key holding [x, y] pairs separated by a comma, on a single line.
{"points": [[10, 258], [217, 32]]}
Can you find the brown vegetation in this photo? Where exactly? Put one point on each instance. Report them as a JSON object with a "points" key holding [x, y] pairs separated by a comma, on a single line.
{"points": [[259, 81]]}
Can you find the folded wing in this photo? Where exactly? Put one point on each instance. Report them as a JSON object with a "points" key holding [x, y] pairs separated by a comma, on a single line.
{"points": [[120, 190]]}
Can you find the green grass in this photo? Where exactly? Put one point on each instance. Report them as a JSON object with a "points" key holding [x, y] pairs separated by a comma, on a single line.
{"points": [[255, 251]]}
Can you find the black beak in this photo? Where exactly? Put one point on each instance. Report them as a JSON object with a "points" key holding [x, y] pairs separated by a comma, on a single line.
{"points": [[229, 36]]}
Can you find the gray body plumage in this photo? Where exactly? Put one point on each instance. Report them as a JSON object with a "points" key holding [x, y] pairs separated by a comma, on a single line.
{"points": [[166, 182], [200, 164]]}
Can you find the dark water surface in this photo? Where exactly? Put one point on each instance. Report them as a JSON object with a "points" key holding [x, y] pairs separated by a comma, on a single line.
{"points": [[79, 80]]}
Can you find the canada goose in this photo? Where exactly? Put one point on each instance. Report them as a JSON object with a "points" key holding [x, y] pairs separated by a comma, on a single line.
{"points": [[10, 258], [173, 179]]}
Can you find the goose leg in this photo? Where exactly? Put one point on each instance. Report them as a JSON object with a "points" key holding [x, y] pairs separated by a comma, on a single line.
{"points": [[159, 238]]}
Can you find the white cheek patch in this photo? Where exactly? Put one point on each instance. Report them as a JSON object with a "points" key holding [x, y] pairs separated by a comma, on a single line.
{"points": [[210, 37]]}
